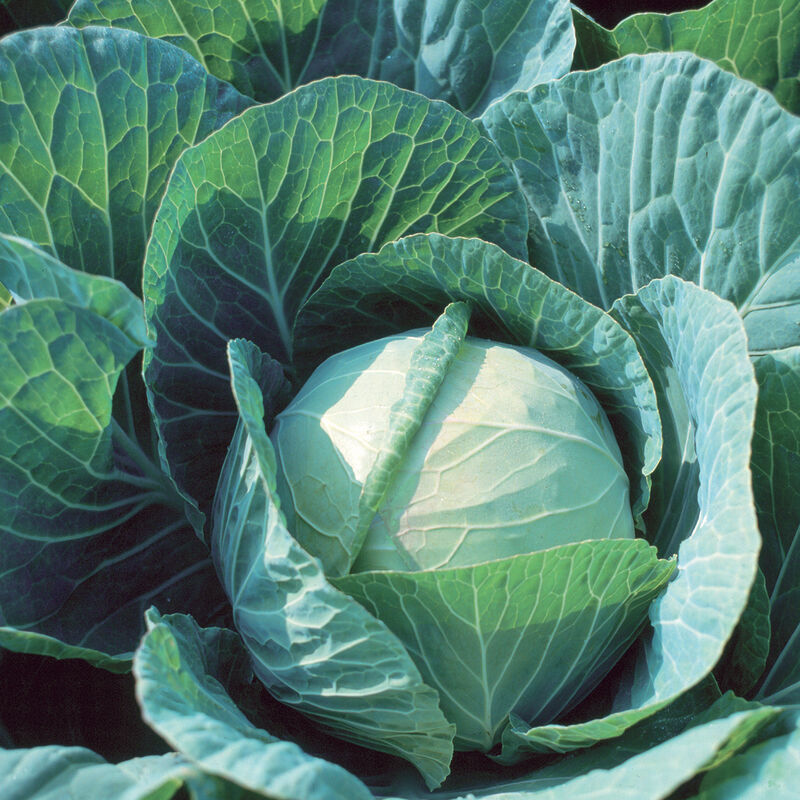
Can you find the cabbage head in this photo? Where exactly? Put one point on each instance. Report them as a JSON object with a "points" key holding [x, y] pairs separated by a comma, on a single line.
{"points": [[425, 462], [511, 454]]}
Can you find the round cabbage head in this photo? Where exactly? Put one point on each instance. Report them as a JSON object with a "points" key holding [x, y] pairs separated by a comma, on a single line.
{"points": [[471, 496], [512, 455]]}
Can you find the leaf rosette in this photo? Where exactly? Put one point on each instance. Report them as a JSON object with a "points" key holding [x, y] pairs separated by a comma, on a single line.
{"points": [[346, 217], [303, 648]]}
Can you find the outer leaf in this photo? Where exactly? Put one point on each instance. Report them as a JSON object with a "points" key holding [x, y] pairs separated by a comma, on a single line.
{"points": [[656, 164], [574, 609], [644, 764], [77, 570], [256, 215], [757, 41], [53, 773], [180, 671], [702, 507], [746, 653], [665, 767], [29, 272], [694, 344], [313, 647], [664, 163], [767, 770], [407, 284], [93, 121], [566, 738], [467, 52]]}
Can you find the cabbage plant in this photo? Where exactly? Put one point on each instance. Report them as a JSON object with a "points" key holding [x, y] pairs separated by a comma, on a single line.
{"points": [[409, 415]]}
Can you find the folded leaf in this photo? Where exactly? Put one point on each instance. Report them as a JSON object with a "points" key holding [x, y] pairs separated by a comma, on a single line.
{"points": [[180, 670], [313, 647]]}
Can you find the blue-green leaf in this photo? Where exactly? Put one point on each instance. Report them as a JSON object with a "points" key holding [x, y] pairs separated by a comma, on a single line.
{"points": [[181, 671], [758, 42], [702, 508], [54, 773], [769, 769], [658, 164], [312, 646], [776, 480]]}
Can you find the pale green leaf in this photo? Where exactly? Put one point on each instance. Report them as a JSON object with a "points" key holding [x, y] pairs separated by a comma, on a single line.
{"points": [[181, 671], [657, 772], [407, 284], [313, 647], [573, 609], [694, 346], [702, 508], [646, 763]]}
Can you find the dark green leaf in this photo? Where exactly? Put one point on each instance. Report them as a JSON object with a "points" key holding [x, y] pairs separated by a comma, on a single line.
{"points": [[745, 655], [466, 52], [92, 123], [257, 214], [92, 532], [29, 273]]}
